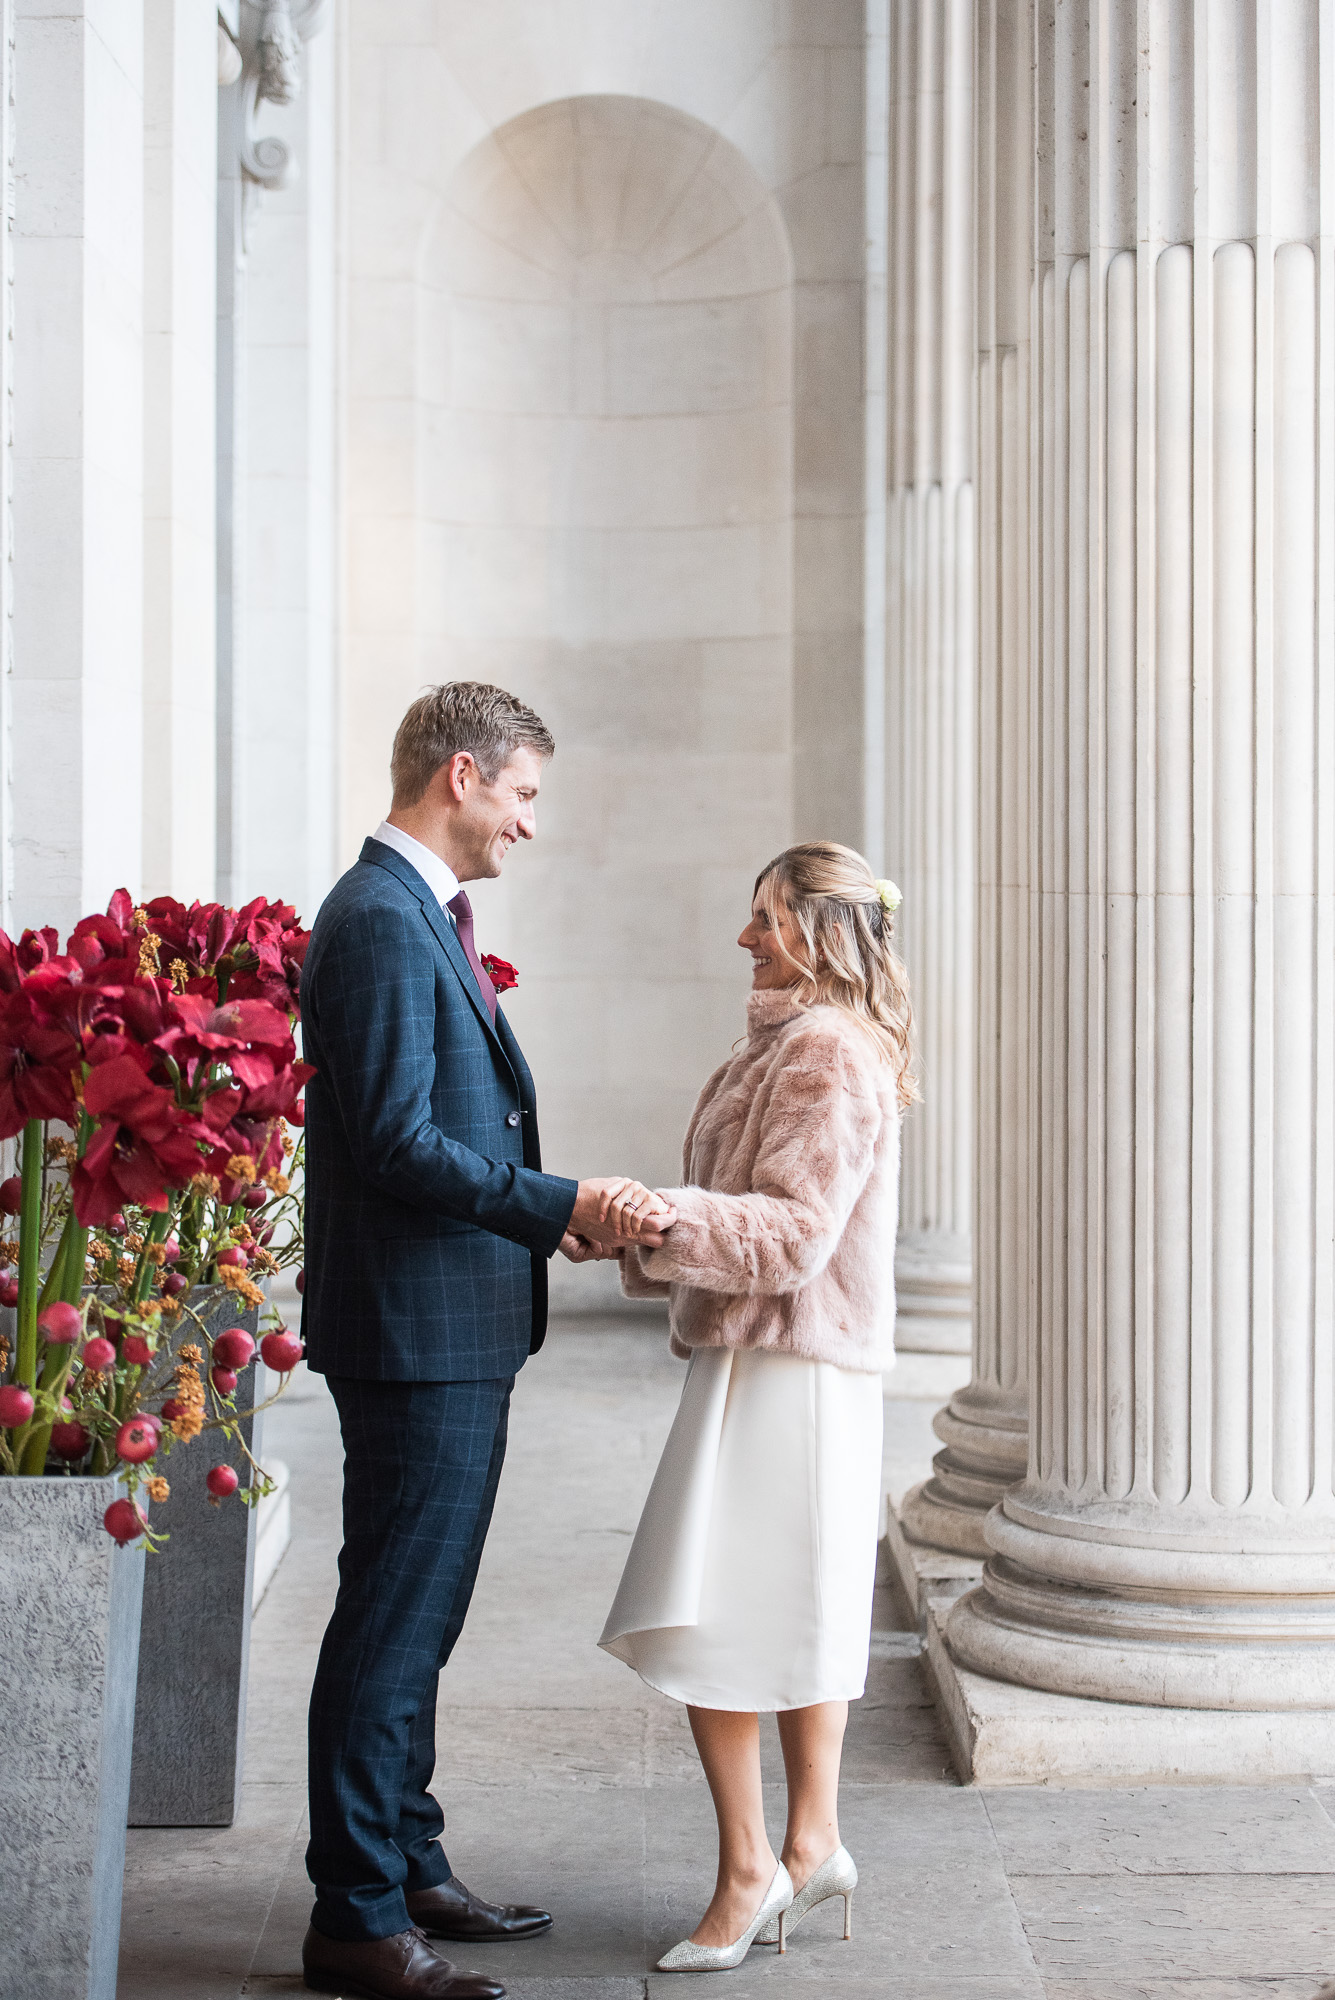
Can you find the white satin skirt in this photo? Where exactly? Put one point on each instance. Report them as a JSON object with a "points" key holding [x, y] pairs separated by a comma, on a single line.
{"points": [[749, 1581]]}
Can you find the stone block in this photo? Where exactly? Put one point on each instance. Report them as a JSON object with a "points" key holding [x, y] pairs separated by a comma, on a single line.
{"points": [[923, 1574], [1001, 1734], [69, 1643], [191, 1713], [926, 1575], [273, 1530]]}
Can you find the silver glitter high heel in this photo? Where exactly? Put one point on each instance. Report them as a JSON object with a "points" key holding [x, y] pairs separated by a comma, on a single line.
{"points": [[836, 1877], [688, 1957]]}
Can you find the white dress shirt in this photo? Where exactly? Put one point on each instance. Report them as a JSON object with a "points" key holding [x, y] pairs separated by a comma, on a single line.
{"points": [[439, 877]]}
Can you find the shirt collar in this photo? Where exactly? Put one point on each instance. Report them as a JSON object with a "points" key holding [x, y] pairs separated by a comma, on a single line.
{"points": [[439, 877]]}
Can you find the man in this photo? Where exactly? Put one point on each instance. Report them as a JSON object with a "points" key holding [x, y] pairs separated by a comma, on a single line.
{"points": [[429, 1223]]}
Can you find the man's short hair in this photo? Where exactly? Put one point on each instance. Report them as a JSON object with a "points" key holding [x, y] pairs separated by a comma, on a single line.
{"points": [[462, 715]]}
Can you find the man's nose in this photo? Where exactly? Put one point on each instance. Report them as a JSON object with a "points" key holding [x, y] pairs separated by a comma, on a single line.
{"points": [[527, 823]]}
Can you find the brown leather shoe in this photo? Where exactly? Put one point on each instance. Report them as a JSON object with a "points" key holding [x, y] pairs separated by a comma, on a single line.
{"points": [[449, 1910], [402, 1967]]}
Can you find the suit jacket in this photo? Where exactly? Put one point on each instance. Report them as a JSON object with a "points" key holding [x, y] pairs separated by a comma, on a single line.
{"points": [[428, 1218]]}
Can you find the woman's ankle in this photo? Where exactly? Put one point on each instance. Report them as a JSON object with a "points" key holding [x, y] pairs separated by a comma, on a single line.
{"points": [[745, 1870], [803, 1853]]}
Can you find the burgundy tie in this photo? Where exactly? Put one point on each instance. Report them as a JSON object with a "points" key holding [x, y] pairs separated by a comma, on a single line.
{"points": [[461, 910]]}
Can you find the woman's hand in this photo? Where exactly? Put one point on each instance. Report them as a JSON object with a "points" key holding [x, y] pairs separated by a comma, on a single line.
{"points": [[637, 1213], [619, 1210]]}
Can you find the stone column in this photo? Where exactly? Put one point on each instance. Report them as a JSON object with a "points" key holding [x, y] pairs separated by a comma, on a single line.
{"points": [[983, 1427], [75, 701], [269, 37], [285, 706], [180, 195], [1172, 1541], [930, 643]]}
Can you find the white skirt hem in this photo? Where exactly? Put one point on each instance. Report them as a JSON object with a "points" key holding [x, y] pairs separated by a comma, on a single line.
{"points": [[747, 1704]]}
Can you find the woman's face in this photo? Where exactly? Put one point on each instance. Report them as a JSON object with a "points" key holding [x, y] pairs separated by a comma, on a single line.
{"points": [[769, 966]]}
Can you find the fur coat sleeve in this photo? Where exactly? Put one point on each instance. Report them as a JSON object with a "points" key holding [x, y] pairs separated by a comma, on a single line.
{"points": [[798, 1156]]}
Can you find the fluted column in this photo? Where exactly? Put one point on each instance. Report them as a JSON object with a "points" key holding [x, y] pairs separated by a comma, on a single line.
{"points": [[930, 642], [983, 1427], [1172, 1541]]}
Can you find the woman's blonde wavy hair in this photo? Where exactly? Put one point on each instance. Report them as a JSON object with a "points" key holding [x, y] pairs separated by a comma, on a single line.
{"points": [[851, 963]]}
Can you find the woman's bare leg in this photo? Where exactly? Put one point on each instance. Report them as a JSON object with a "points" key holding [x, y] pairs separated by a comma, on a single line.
{"points": [[813, 1742], [729, 1746]]}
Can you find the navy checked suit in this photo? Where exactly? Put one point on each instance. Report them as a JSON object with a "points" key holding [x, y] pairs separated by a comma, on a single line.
{"points": [[428, 1226]]}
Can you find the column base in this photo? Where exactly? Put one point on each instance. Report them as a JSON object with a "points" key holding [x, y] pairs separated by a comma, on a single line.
{"points": [[923, 1573], [1001, 1734], [985, 1434], [1212, 1612]]}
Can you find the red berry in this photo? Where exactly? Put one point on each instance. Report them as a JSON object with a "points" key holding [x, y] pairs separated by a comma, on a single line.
{"points": [[124, 1522], [223, 1380], [69, 1440], [222, 1481], [233, 1348], [136, 1350], [171, 1410], [301, 1279], [281, 1351], [175, 1283], [255, 1197], [9, 1291], [137, 1439], [172, 1250], [98, 1354], [117, 1224], [266, 1234], [16, 1405], [233, 1258], [60, 1324], [11, 1195]]}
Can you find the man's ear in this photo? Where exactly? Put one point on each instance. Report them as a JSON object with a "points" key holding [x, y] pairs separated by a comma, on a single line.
{"points": [[452, 779]]}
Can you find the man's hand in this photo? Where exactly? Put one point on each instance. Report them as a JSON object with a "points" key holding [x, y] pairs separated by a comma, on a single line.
{"points": [[580, 1251], [617, 1211]]}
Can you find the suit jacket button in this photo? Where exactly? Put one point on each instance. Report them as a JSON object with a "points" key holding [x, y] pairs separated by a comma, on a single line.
{"points": [[512, 1117]]}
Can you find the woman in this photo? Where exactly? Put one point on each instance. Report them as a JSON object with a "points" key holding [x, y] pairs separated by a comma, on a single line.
{"points": [[749, 1582]]}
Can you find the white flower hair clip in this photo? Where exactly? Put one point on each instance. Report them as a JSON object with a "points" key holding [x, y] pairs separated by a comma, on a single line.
{"points": [[889, 895]]}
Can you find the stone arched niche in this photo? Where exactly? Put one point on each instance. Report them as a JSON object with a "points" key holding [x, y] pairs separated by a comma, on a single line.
{"points": [[605, 506]]}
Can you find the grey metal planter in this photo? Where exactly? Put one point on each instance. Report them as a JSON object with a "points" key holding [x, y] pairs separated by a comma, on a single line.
{"points": [[190, 1724], [69, 1644]]}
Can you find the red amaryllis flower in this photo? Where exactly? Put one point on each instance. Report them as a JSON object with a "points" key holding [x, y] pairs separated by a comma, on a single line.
{"points": [[37, 1062], [144, 1147], [251, 1037], [499, 971], [255, 953]]}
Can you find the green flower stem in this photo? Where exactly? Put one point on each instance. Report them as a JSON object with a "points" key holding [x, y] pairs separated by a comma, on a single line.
{"points": [[53, 1286], [64, 1282], [30, 1250], [158, 1232]]}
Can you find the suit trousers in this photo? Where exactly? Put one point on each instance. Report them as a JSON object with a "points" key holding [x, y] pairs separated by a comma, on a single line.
{"points": [[421, 1465]]}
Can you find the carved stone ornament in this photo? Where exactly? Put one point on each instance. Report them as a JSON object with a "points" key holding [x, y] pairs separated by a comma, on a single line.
{"points": [[273, 33], [278, 49]]}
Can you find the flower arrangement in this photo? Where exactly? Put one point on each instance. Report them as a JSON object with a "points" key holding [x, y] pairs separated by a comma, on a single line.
{"points": [[162, 1040]]}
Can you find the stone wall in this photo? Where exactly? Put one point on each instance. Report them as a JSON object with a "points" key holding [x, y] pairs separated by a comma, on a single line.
{"points": [[604, 444]]}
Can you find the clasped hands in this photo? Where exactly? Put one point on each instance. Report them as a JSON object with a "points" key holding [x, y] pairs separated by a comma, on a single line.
{"points": [[611, 1213]]}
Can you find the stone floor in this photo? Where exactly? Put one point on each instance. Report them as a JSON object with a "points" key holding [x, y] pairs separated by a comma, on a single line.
{"points": [[565, 1780]]}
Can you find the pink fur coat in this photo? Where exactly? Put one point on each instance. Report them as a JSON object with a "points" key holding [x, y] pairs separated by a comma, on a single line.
{"points": [[785, 1231]]}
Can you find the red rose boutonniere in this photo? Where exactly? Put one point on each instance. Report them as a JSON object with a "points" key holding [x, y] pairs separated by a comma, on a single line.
{"points": [[502, 975]]}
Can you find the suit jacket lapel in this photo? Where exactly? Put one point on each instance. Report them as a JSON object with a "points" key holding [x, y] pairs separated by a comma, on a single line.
{"points": [[454, 951], [376, 852]]}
